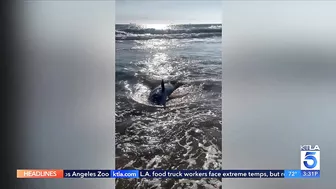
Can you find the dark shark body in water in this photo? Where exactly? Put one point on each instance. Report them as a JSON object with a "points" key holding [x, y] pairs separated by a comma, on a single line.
{"points": [[161, 94]]}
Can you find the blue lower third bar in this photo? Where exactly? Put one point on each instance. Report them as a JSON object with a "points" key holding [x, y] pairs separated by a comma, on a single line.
{"points": [[292, 174], [310, 173], [302, 173], [124, 174]]}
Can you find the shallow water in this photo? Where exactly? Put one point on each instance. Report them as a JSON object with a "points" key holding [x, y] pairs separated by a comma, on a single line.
{"points": [[186, 135]]}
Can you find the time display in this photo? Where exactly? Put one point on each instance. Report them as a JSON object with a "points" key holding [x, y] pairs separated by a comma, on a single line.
{"points": [[310, 173]]}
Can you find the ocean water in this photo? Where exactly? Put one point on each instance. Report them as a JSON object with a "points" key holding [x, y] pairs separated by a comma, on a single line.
{"points": [[186, 135]]}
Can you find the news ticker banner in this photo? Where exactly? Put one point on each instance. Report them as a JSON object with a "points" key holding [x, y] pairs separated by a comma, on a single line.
{"points": [[309, 158], [177, 174]]}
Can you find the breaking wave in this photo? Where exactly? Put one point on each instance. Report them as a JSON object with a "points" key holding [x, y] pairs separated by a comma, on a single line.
{"points": [[137, 32]]}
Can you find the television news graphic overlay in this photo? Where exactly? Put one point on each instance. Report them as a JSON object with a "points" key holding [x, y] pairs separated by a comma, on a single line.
{"points": [[125, 174], [39, 173], [175, 174], [134, 174], [292, 174], [179, 174], [87, 174], [310, 161]]}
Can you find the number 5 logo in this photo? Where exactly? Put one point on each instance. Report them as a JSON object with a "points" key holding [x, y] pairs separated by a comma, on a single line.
{"points": [[310, 156]]}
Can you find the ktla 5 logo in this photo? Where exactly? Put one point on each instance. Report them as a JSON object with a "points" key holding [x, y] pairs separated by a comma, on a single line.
{"points": [[310, 157]]}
